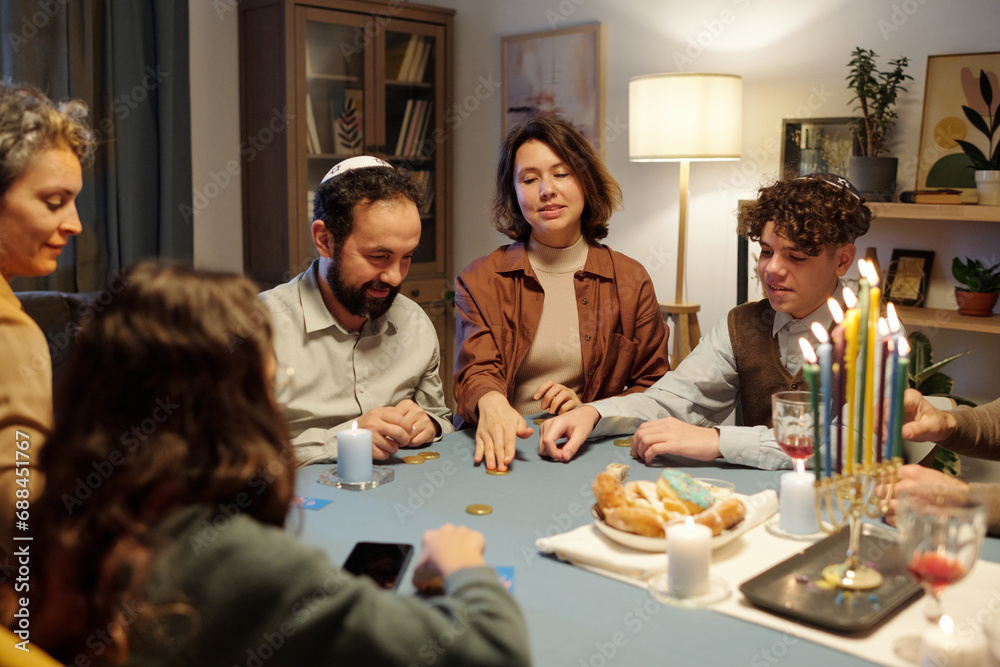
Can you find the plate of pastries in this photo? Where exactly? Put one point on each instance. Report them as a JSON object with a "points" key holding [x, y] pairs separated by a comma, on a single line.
{"points": [[639, 513]]}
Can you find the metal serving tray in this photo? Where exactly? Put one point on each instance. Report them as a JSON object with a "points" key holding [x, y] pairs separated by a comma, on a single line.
{"points": [[795, 587]]}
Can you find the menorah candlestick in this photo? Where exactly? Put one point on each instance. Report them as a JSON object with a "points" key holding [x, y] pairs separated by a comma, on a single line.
{"points": [[866, 492]]}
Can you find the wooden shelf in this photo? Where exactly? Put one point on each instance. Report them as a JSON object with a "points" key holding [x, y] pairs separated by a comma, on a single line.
{"points": [[957, 212], [942, 318]]}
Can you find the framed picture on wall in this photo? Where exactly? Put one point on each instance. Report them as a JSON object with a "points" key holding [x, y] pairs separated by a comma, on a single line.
{"points": [[556, 71], [907, 277], [952, 82], [816, 145]]}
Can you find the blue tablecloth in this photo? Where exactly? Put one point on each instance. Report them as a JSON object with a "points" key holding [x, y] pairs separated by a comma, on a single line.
{"points": [[575, 618]]}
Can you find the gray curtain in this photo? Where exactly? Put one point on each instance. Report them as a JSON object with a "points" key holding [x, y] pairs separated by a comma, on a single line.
{"points": [[128, 60]]}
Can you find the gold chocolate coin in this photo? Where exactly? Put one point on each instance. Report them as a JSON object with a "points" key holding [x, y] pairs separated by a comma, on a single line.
{"points": [[539, 421], [429, 456], [623, 442], [479, 509], [413, 460], [497, 471]]}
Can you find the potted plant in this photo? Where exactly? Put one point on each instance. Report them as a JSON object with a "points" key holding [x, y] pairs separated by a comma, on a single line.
{"points": [[875, 93], [982, 286], [987, 165]]}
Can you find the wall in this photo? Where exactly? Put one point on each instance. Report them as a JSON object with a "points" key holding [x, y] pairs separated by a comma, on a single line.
{"points": [[792, 57]]}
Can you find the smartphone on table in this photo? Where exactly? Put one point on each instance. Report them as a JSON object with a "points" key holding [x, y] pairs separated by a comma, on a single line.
{"points": [[382, 562]]}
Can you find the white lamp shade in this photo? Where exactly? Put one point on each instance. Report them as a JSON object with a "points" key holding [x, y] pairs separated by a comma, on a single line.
{"points": [[674, 117]]}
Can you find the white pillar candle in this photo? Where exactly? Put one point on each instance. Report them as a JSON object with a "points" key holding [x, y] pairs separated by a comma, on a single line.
{"points": [[942, 648], [689, 554], [354, 454], [798, 503]]}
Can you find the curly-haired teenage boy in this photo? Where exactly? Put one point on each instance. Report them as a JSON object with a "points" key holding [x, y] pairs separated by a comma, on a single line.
{"points": [[806, 229]]}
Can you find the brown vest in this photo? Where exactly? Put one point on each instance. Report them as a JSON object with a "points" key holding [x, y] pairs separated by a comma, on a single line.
{"points": [[758, 361]]}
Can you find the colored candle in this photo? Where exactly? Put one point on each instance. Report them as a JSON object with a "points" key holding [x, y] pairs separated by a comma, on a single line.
{"points": [[810, 371], [883, 354], [689, 556], [850, 362], [875, 295], [838, 376], [824, 351], [354, 454], [863, 388], [901, 376], [892, 370]]}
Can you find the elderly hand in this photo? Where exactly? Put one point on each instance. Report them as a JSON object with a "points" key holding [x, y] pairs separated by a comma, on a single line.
{"points": [[915, 476], [496, 434], [922, 422], [672, 436], [556, 398]]}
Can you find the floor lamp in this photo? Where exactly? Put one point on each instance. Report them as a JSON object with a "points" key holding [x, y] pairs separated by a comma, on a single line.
{"points": [[684, 118]]}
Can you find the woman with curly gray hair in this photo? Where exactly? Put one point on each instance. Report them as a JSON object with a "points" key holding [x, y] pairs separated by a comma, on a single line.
{"points": [[42, 146]]}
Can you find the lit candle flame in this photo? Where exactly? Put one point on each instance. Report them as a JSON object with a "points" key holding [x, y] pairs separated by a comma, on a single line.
{"points": [[863, 268], [354, 426], [904, 347], [835, 310], [689, 522], [893, 318], [872, 274], [947, 624], [850, 300], [883, 327], [807, 351], [820, 332]]}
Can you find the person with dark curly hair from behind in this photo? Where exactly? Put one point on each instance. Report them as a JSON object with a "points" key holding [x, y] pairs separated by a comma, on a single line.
{"points": [[806, 229], [177, 554]]}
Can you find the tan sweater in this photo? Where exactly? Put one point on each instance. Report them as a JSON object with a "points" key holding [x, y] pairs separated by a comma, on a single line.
{"points": [[25, 409], [978, 434], [555, 353]]}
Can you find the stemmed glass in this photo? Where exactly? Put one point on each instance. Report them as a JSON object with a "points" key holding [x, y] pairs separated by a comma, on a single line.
{"points": [[792, 418], [941, 530]]}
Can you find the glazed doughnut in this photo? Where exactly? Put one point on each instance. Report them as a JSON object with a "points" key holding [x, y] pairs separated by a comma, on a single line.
{"points": [[638, 520], [678, 486], [608, 492], [723, 515]]}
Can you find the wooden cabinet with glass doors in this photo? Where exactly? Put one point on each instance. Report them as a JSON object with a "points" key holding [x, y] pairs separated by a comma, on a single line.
{"points": [[324, 81]]}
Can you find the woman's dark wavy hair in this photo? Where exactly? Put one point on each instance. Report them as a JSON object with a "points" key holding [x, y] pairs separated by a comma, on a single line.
{"points": [[31, 123], [165, 404], [812, 213], [601, 193]]}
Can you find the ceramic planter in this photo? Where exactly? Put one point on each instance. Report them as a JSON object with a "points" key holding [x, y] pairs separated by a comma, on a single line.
{"points": [[874, 177], [976, 304], [988, 187]]}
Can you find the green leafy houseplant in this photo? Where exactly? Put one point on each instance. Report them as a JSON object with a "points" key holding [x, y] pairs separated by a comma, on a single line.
{"points": [[926, 377], [988, 125], [875, 93], [976, 276]]}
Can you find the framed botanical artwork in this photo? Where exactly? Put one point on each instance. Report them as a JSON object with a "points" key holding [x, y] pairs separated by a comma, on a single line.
{"points": [[952, 81], [813, 145], [556, 71], [907, 277]]}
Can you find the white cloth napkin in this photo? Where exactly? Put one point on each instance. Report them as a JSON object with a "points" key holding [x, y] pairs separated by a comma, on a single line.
{"points": [[588, 548]]}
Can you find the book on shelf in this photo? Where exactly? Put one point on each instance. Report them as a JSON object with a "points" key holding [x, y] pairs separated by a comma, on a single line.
{"points": [[411, 47], [401, 141], [310, 203], [421, 62], [943, 196], [414, 128], [426, 179], [394, 55], [312, 140], [423, 124]]}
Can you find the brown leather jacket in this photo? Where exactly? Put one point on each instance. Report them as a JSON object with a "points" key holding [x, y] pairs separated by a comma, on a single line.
{"points": [[498, 301]]}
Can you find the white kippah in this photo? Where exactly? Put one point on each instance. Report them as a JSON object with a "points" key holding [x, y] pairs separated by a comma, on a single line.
{"points": [[358, 162]]}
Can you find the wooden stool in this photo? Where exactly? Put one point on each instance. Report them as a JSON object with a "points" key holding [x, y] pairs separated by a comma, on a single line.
{"points": [[686, 331]]}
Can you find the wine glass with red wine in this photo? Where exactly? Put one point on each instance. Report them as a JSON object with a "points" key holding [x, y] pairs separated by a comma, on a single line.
{"points": [[941, 530], [792, 418]]}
